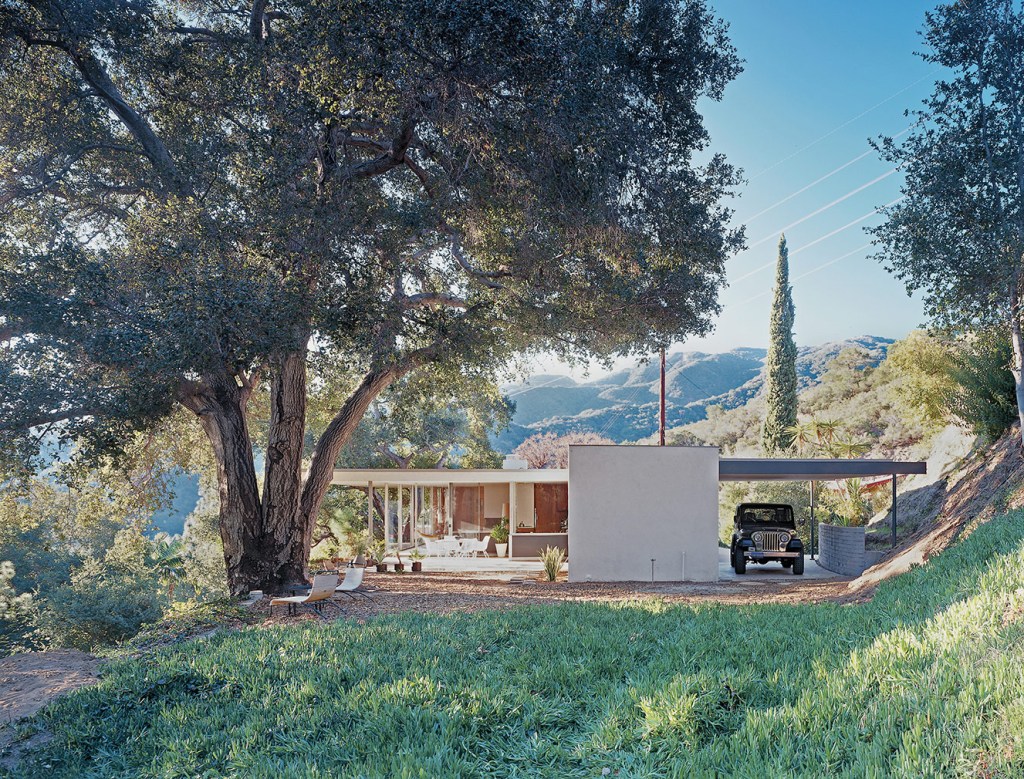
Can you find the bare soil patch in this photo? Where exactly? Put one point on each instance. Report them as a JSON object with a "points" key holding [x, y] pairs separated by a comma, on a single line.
{"points": [[30, 680]]}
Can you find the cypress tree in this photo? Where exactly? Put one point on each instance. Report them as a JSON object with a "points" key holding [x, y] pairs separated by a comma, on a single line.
{"points": [[780, 365]]}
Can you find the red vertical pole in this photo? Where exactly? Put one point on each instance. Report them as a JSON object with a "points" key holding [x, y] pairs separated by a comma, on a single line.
{"points": [[661, 423]]}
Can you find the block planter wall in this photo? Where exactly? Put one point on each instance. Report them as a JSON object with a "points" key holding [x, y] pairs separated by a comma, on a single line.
{"points": [[841, 549]]}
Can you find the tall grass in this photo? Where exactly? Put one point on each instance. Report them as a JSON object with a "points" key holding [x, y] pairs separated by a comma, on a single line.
{"points": [[925, 680], [552, 558]]}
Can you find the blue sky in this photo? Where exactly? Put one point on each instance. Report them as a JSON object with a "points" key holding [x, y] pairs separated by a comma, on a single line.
{"points": [[820, 78]]}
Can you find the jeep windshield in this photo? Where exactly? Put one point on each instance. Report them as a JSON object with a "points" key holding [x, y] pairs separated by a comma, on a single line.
{"points": [[766, 516]]}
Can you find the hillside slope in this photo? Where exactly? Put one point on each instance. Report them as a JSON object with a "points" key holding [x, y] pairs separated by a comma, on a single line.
{"points": [[950, 502]]}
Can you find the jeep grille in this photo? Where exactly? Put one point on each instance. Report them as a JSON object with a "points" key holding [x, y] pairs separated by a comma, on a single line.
{"points": [[770, 540]]}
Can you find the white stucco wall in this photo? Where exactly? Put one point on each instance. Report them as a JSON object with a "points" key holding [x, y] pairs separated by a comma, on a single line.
{"points": [[628, 504]]}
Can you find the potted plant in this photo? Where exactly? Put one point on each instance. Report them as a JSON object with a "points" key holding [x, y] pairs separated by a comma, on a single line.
{"points": [[417, 560], [500, 535], [399, 566], [377, 551]]}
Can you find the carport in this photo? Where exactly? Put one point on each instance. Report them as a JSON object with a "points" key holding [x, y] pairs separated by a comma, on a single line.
{"points": [[811, 471]]}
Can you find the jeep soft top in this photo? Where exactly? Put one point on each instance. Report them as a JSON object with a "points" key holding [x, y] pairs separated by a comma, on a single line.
{"points": [[765, 515]]}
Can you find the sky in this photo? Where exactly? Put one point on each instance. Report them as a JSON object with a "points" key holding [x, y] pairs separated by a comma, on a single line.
{"points": [[820, 78]]}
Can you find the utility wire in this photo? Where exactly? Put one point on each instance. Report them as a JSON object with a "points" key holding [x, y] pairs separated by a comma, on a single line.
{"points": [[804, 275], [824, 208], [816, 241], [817, 181], [844, 124]]}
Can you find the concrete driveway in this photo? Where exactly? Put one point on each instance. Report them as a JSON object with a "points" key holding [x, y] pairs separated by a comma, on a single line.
{"points": [[771, 572]]}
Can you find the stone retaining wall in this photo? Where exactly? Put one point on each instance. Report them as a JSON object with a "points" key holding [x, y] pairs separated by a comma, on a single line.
{"points": [[841, 549]]}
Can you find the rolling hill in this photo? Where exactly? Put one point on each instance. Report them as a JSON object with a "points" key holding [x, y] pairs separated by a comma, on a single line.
{"points": [[624, 405]]}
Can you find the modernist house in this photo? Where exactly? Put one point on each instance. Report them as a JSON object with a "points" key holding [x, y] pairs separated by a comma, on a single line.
{"points": [[468, 503], [623, 513]]}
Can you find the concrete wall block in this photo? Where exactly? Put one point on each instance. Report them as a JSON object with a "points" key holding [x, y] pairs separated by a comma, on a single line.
{"points": [[631, 504]]}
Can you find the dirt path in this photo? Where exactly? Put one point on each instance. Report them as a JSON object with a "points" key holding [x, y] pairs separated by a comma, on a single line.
{"points": [[30, 680]]}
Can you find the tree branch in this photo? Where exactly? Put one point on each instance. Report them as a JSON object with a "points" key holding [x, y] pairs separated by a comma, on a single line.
{"points": [[95, 75], [428, 299], [391, 157], [257, 30], [485, 278]]}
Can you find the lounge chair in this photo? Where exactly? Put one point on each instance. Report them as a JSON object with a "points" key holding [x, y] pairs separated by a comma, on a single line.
{"points": [[471, 546], [436, 548], [318, 596], [353, 584]]}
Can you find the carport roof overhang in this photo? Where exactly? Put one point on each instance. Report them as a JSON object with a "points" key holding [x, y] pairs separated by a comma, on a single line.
{"points": [[753, 469]]}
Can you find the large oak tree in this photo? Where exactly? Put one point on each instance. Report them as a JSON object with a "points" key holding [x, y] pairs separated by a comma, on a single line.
{"points": [[204, 198]]}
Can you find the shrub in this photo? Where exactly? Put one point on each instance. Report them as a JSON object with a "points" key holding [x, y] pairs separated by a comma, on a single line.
{"points": [[99, 606], [984, 397], [552, 558]]}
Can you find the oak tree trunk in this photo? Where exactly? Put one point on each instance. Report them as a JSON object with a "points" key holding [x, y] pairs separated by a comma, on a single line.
{"points": [[325, 454], [220, 404], [284, 543]]}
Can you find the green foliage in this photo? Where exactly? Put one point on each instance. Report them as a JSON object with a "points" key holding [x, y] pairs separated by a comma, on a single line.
{"points": [[920, 368], [850, 505], [984, 397], [372, 187], [924, 680], [101, 604], [955, 234], [93, 575], [500, 531], [435, 418], [16, 611], [204, 572], [552, 558], [780, 364]]}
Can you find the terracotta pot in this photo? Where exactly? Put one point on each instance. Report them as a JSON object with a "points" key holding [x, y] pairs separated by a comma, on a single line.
{"points": [[399, 567], [381, 568], [417, 566]]}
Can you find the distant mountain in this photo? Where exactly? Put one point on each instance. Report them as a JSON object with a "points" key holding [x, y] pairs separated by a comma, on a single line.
{"points": [[624, 405]]}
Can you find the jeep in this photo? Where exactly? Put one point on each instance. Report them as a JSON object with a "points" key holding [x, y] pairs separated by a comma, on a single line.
{"points": [[763, 532]]}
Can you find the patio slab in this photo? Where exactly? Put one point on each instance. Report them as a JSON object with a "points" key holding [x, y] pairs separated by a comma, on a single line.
{"points": [[506, 568]]}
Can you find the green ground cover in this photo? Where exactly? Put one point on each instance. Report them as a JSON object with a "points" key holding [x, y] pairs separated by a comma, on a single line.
{"points": [[925, 680]]}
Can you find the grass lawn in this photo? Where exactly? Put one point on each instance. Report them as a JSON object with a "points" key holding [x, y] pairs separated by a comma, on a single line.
{"points": [[926, 680]]}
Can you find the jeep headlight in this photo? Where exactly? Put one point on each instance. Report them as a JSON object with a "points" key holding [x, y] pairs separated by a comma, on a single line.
{"points": [[757, 537], [783, 539]]}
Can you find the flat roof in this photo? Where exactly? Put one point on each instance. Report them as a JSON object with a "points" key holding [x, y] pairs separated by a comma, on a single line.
{"points": [[729, 469], [758, 469], [360, 477]]}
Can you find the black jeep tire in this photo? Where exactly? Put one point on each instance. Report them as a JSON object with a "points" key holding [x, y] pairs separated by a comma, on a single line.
{"points": [[798, 565], [739, 562]]}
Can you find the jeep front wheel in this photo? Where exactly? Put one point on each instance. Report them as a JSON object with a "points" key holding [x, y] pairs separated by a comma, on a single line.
{"points": [[798, 565], [739, 562]]}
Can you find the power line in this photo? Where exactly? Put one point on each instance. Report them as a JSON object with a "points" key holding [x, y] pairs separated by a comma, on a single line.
{"points": [[824, 208], [816, 241], [844, 124], [805, 274], [817, 181]]}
